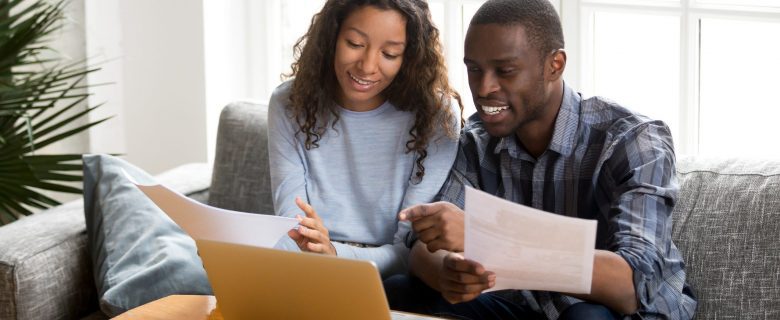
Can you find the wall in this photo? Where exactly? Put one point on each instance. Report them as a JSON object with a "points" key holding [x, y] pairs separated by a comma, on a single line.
{"points": [[152, 55]]}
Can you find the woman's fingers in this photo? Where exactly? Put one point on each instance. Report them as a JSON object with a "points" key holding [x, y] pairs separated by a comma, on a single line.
{"points": [[312, 233], [306, 208]]}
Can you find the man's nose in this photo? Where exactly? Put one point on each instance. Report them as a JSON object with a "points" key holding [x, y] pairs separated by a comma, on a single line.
{"points": [[487, 85]]}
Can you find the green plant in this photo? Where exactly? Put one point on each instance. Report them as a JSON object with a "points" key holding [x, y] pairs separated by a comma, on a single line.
{"points": [[40, 98]]}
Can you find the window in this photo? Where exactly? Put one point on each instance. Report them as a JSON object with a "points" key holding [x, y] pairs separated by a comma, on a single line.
{"points": [[705, 67]]}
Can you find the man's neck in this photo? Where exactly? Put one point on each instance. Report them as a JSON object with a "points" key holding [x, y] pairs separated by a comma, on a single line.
{"points": [[536, 135]]}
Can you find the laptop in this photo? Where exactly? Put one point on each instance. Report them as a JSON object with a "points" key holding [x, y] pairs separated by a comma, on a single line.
{"points": [[264, 283], [253, 281]]}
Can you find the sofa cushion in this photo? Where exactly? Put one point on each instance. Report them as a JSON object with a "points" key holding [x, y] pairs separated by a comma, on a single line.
{"points": [[138, 253], [725, 225], [241, 178]]}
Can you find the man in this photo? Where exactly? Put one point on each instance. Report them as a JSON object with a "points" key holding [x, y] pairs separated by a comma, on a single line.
{"points": [[536, 142]]}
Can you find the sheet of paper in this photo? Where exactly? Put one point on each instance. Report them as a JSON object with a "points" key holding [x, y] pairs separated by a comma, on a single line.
{"points": [[528, 248], [201, 221]]}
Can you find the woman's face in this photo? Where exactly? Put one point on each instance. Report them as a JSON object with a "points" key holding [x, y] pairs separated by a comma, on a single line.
{"points": [[369, 54]]}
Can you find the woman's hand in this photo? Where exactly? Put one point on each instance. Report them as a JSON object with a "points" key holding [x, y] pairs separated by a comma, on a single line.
{"points": [[311, 235]]}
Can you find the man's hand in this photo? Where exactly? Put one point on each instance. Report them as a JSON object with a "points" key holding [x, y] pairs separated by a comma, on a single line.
{"points": [[463, 280], [311, 235], [439, 225]]}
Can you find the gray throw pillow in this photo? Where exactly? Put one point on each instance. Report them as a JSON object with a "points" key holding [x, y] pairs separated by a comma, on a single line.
{"points": [[138, 254]]}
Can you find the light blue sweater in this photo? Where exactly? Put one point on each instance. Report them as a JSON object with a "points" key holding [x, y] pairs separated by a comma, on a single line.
{"points": [[358, 179]]}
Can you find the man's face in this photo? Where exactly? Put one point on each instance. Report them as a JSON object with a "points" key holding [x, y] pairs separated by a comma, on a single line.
{"points": [[506, 77]]}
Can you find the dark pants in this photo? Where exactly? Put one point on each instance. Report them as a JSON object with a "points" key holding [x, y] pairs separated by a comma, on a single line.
{"points": [[410, 294]]}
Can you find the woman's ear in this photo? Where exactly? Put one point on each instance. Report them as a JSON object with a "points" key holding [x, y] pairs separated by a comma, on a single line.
{"points": [[556, 63]]}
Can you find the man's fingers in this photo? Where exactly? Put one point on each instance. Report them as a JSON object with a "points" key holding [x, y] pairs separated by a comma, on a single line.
{"points": [[466, 288], [456, 262], [464, 278], [419, 211], [427, 235], [441, 243], [454, 298], [422, 223]]}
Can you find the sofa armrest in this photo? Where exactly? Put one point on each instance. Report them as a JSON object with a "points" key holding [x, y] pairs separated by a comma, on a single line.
{"points": [[45, 271]]}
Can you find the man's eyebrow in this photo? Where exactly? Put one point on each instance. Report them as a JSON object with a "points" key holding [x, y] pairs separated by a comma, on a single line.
{"points": [[365, 35]]}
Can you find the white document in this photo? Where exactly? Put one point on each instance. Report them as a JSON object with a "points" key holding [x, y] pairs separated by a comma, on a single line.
{"points": [[528, 249], [201, 221]]}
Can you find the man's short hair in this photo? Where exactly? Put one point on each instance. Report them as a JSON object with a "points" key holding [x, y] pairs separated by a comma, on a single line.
{"points": [[538, 17]]}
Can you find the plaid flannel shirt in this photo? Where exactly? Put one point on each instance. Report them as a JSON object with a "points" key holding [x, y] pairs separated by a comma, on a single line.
{"points": [[605, 163]]}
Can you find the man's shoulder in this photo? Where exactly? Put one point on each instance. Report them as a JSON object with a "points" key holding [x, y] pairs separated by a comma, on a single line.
{"points": [[476, 146], [474, 132], [603, 114]]}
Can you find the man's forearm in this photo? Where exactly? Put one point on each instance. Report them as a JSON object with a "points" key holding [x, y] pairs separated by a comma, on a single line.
{"points": [[426, 265], [612, 284]]}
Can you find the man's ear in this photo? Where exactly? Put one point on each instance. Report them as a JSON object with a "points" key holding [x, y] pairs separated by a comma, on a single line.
{"points": [[556, 63]]}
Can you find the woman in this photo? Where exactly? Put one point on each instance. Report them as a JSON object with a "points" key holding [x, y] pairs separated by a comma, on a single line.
{"points": [[367, 127]]}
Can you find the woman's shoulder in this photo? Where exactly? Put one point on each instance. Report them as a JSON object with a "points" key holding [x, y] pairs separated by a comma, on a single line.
{"points": [[282, 91], [278, 104], [456, 111], [280, 98]]}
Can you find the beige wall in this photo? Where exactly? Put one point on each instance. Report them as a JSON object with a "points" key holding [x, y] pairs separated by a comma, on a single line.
{"points": [[152, 52]]}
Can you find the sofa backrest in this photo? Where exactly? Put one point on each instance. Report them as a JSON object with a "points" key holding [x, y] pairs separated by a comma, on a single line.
{"points": [[725, 221], [726, 225], [241, 177]]}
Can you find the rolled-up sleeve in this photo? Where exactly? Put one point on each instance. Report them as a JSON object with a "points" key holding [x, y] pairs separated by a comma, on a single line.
{"points": [[641, 175]]}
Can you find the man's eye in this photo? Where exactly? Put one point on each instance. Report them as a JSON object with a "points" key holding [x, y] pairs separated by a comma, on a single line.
{"points": [[506, 70]]}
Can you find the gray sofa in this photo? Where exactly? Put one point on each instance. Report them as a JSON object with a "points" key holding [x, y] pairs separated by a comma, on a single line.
{"points": [[725, 225]]}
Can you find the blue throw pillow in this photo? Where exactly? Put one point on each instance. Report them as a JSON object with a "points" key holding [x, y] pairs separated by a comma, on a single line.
{"points": [[138, 254]]}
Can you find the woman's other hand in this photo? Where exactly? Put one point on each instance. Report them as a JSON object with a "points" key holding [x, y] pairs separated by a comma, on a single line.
{"points": [[311, 234]]}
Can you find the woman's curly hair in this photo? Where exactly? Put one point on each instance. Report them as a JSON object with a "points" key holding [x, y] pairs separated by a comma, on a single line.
{"points": [[421, 85]]}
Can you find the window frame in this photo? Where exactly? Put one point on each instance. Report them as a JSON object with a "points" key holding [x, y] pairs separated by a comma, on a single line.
{"points": [[577, 20]]}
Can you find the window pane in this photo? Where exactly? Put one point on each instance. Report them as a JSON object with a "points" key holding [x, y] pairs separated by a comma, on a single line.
{"points": [[756, 3], [739, 108], [296, 18], [635, 2], [469, 9], [637, 63]]}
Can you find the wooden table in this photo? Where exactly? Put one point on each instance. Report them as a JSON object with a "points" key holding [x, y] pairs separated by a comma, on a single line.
{"points": [[176, 307]]}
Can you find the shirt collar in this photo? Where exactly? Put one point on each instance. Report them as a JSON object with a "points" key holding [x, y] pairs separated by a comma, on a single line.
{"points": [[564, 134]]}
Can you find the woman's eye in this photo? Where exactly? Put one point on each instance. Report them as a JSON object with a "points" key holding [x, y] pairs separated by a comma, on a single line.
{"points": [[391, 56], [353, 44]]}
